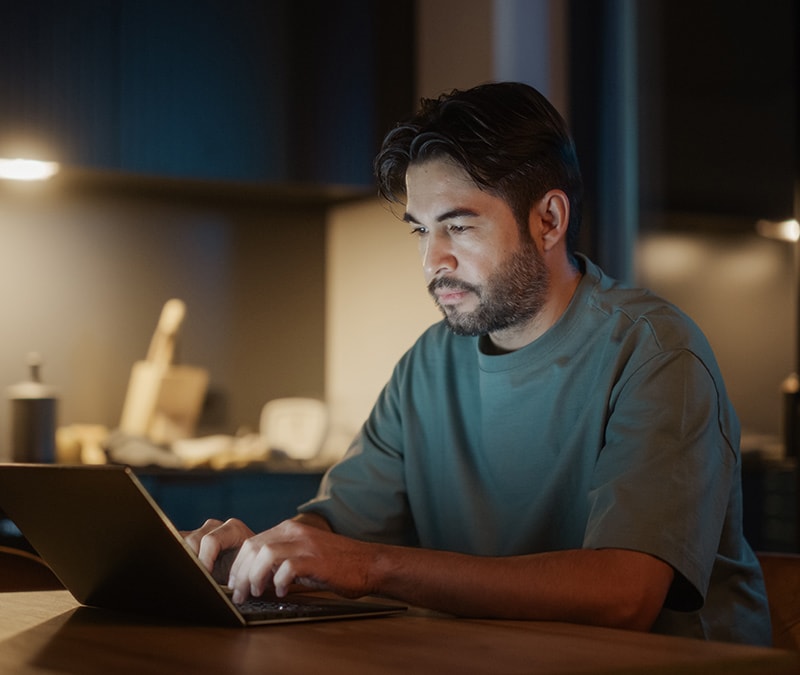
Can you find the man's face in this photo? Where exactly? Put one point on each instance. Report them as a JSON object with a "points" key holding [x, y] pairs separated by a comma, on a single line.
{"points": [[482, 274]]}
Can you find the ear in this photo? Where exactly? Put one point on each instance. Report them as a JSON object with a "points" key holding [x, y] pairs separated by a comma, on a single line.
{"points": [[549, 219]]}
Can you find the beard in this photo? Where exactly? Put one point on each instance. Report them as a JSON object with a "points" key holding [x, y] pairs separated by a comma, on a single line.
{"points": [[512, 295]]}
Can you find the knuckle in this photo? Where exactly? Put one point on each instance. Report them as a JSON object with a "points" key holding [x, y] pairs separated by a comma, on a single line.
{"points": [[250, 546], [292, 528], [285, 526]]}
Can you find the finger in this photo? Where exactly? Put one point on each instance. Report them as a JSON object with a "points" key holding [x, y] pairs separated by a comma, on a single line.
{"points": [[242, 562], [222, 565], [229, 534], [239, 580], [260, 571], [193, 537], [263, 555], [250, 548], [284, 577]]}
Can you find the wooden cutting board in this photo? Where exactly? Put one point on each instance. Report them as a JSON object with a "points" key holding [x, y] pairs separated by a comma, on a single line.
{"points": [[164, 401]]}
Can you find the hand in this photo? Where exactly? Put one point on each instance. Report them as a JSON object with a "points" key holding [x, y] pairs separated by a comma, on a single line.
{"points": [[297, 553], [211, 540]]}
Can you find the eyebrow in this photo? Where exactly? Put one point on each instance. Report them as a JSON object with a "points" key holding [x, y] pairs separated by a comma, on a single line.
{"points": [[447, 215]]}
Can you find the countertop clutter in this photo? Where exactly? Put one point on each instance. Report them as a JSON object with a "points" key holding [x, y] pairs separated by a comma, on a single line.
{"points": [[158, 422]]}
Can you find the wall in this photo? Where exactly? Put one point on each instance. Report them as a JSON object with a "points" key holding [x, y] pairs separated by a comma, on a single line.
{"points": [[376, 307], [84, 273]]}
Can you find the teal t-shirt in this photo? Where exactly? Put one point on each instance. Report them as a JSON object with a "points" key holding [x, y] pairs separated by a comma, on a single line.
{"points": [[612, 430]]}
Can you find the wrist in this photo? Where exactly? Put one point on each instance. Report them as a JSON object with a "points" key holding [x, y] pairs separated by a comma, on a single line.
{"points": [[313, 520], [384, 569]]}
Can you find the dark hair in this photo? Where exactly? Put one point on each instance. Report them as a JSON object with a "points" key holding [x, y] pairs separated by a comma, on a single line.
{"points": [[506, 136]]}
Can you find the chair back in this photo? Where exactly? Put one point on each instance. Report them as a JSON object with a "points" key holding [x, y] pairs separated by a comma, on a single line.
{"points": [[782, 579]]}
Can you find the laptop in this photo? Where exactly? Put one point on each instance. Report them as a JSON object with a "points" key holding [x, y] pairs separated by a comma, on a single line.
{"points": [[112, 547]]}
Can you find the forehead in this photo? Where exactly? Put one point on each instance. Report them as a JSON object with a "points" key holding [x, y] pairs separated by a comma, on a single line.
{"points": [[440, 168], [440, 182]]}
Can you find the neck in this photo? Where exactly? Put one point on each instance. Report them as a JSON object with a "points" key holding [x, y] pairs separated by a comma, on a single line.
{"points": [[564, 281]]}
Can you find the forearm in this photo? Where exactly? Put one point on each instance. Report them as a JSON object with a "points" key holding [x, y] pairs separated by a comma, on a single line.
{"points": [[608, 587]]}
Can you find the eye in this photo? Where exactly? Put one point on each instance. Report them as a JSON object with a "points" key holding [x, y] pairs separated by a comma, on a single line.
{"points": [[419, 230], [458, 229]]}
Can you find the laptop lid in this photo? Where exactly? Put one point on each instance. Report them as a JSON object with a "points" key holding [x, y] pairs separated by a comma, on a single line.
{"points": [[111, 546]]}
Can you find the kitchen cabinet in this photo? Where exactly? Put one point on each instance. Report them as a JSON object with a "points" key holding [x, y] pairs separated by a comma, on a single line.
{"points": [[716, 110], [769, 498], [719, 115], [285, 91]]}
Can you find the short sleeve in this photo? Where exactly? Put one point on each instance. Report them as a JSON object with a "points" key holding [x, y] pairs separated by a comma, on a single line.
{"points": [[663, 476], [364, 495]]}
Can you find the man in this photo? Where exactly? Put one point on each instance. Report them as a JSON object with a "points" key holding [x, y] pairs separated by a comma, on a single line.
{"points": [[558, 448]]}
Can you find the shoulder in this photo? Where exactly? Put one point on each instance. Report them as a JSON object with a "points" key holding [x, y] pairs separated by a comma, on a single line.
{"points": [[640, 313], [654, 342]]}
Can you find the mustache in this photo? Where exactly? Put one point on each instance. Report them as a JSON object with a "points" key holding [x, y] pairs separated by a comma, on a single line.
{"points": [[451, 284]]}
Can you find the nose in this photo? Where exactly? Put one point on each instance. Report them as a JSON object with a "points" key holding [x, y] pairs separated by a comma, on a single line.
{"points": [[437, 255]]}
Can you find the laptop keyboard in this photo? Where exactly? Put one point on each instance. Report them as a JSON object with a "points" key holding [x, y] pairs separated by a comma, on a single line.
{"points": [[270, 609]]}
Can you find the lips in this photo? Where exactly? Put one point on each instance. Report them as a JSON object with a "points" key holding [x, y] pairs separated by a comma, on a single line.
{"points": [[450, 297], [448, 291]]}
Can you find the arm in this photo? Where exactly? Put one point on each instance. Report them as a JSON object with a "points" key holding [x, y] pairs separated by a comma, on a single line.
{"points": [[610, 587]]}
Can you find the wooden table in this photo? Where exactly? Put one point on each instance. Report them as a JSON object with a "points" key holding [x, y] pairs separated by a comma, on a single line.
{"points": [[46, 632]]}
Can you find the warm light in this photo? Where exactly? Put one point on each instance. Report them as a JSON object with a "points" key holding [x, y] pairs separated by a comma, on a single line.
{"points": [[27, 169], [783, 230]]}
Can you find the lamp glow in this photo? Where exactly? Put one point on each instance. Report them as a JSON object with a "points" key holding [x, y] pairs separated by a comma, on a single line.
{"points": [[27, 169], [782, 230]]}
